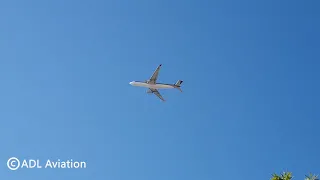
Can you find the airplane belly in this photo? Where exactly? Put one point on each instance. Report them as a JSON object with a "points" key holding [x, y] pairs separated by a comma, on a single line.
{"points": [[140, 84], [152, 86], [162, 86], [143, 85]]}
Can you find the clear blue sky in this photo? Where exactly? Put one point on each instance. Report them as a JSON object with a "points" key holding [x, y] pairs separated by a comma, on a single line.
{"points": [[250, 105]]}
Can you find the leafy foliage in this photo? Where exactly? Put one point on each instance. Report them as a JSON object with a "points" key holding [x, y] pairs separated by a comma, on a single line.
{"points": [[288, 176], [311, 177], [283, 176]]}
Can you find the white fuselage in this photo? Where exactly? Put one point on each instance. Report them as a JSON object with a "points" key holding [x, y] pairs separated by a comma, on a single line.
{"points": [[153, 86]]}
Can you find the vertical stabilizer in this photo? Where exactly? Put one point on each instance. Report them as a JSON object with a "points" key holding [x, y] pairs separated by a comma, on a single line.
{"points": [[178, 85]]}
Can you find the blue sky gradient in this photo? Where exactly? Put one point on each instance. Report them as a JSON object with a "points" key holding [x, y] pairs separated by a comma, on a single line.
{"points": [[250, 105]]}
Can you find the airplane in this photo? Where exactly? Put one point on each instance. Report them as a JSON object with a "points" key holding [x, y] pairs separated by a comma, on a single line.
{"points": [[153, 86]]}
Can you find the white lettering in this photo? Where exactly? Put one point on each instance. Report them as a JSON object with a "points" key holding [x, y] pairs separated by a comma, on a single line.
{"points": [[69, 164], [24, 164]]}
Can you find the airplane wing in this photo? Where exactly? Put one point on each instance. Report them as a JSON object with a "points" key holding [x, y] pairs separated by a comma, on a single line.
{"points": [[154, 76], [156, 92]]}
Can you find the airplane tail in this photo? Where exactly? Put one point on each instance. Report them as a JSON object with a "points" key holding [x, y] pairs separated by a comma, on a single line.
{"points": [[178, 85]]}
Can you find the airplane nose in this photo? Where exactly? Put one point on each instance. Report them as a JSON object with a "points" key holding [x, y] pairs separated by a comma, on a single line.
{"points": [[130, 83]]}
